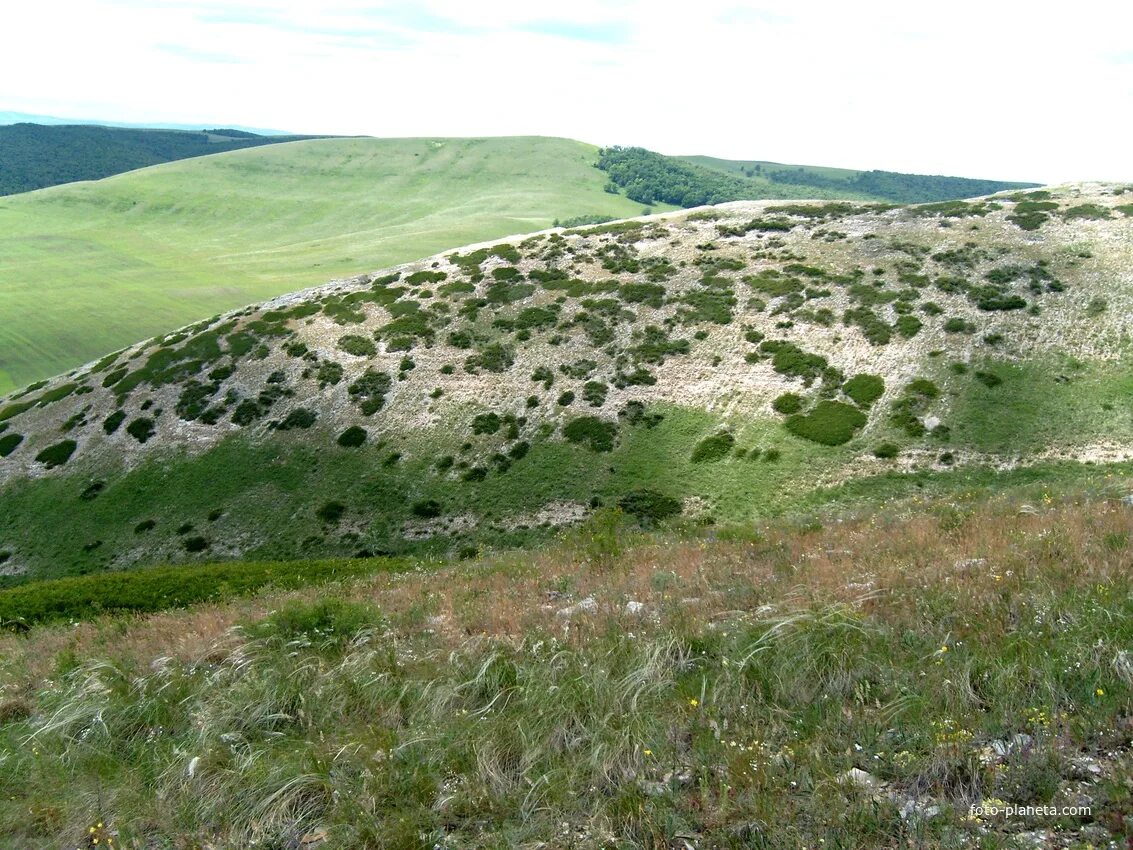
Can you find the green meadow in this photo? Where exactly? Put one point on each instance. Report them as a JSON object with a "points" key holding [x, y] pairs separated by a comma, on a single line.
{"points": [[87, 268]]}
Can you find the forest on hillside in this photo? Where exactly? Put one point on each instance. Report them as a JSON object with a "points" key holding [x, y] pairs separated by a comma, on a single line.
{"points": [[650, 178], [34, 156]]}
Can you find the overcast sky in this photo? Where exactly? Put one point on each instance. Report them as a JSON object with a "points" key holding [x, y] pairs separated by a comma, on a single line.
{"points": [[996, 88]]}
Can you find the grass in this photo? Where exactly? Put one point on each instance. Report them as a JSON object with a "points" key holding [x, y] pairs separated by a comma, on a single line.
{"points": [[453, 708], [185, 240]]}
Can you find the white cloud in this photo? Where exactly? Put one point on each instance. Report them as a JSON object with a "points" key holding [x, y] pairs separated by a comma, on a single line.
{"points": [[1003, 89]]}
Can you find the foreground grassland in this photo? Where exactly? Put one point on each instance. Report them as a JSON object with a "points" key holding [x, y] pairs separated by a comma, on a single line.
{"points": [[845, 681], [87, 268]]}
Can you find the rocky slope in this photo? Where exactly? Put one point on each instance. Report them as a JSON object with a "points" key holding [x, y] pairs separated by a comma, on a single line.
{"points": [[722, 363]]}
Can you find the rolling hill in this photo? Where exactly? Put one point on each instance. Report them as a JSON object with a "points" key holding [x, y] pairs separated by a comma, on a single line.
{"points": [[86, 268], [719, 365]]}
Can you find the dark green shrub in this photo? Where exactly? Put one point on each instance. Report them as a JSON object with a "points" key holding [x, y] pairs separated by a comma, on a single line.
{"points": [[352, 437], [476, 473], [655, 345], [769, 455], [359, 346], [426, 276], [300, 417], [92, 490], [486, 423], [650, 294], [427, 509], [714, 448], [114, 421], [788, 403], [57, 454], [864, 389], [886, 451], [831, 423], [246, 412], [790, 360], [495, 357], [369, 391], [141, 429], [545, 375], [649, 505], [331, 512], [460, 339], [908, 326], [567, 398], [957, 325], [988, 379], [329, 373], [195, 544], [594, 432], [9, 442], [594, 392], [144, 526], [579, 369], [519, 450]]}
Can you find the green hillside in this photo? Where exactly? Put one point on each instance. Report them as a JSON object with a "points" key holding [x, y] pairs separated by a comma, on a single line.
{"points": [[34, 156], [88, 268], [720, 365]]}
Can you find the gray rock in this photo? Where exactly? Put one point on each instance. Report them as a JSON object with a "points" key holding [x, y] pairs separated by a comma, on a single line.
{"points": [[585, 606], [633, 608], [861, 779]]}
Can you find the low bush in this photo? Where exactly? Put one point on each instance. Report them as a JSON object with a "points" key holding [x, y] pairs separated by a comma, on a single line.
{"points": [[713, 449], [141, 429], [864, 389], [486, 423], [831, 423], [595, 433], [162, 588], [331, 512], [594, 393], [649, 506], [426, 509], [957, 325], [300, 417], [495, 357], [9, 442], [57, 454], [352, 437], [369, 391], [359, 346], [886, 451], [788, 403]]}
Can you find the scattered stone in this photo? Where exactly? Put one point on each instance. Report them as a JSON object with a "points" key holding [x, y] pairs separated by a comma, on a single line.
{"points": [[585, 606], [1018, 741], [970, 564], [633, 608], [861, 779]]}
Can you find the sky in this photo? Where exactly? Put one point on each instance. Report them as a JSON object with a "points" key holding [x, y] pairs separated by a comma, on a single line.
{"points": [[994, 89]]}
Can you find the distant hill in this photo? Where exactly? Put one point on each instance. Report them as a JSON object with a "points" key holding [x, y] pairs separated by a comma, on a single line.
{"points": [[35, 156], [781, 180], [89, 267], [9, 117]]}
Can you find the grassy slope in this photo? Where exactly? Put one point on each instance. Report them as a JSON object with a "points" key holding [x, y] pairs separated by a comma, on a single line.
{"points": [[448, 709], [87, 268]]}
